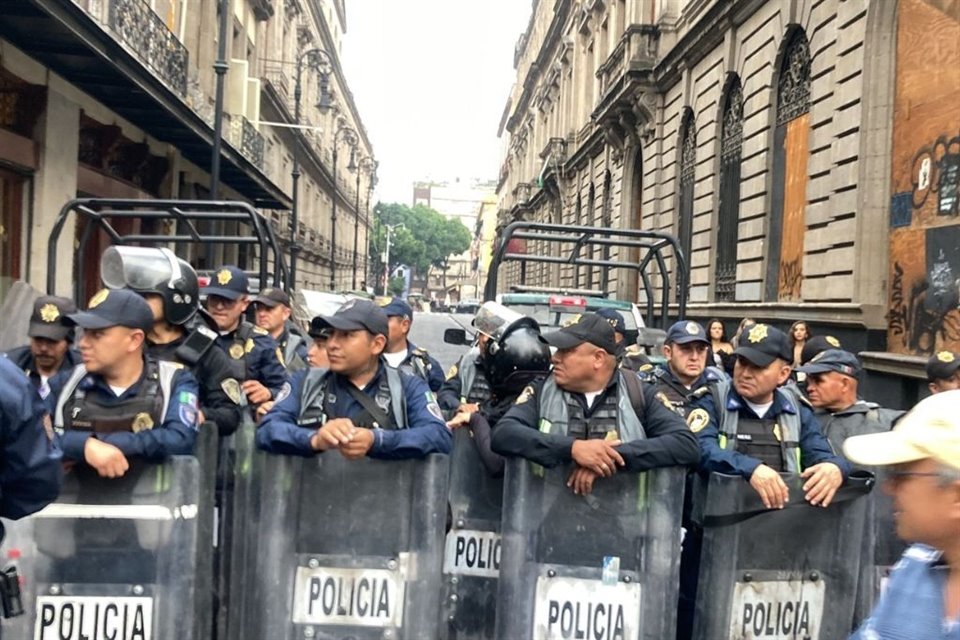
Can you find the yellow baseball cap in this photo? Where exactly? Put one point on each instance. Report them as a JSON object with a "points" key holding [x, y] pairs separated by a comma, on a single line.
{"points": [[930, 430]]}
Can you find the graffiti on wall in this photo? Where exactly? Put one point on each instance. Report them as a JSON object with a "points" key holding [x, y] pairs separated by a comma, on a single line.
{"points": [[935, 175], [924, 312]]}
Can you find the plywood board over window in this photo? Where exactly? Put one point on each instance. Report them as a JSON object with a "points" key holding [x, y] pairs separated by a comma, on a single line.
{"points": [[797, 150], [923, 290]]}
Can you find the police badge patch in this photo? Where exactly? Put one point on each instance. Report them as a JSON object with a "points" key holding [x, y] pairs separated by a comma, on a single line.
{"points": [[248, 345], [283, 393], [434, 410], [525, 395], [231, 387], [698, 420], [142, 422], [454, 370], [236, 351]]}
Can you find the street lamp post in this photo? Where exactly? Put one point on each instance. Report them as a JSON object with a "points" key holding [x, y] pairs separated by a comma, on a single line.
{"points": [[319, 61], [367, 274], [349, 136], [386, 258], [370, 166]]}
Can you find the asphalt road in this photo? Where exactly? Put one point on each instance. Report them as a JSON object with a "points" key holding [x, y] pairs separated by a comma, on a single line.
{"points": [[427, 333]]}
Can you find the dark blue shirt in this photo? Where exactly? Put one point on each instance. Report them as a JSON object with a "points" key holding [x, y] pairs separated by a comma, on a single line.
{"points": [[23, 358], [435, 377], [263, 359], [911, 607], [175, 436], [814, 447], [30, 469], [426, 431]]}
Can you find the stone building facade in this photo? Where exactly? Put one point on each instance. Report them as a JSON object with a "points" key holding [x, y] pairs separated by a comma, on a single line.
{"points": [[115, 99], [776, 139]]}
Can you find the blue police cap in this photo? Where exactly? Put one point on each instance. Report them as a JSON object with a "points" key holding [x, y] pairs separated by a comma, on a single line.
{"points": [[353, 315], [761, 344], [833, 360], [397, 307], [228, 282], [115, 308], [686, 331], [614, 318]]}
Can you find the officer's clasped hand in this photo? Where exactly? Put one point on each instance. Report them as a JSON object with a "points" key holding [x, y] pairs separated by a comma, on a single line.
{"points": [[107, 459], [770, 486], [823, 480], [600, 456], [333, 434], [462, 419], [255, 391], [581, 480]]}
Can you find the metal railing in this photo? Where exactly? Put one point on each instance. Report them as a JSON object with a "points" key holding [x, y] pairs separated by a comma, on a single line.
{"points": [[146, 36]]}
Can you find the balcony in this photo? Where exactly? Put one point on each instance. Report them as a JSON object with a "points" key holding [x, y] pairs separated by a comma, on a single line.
{"points": [[145, 36], [245, 138]]}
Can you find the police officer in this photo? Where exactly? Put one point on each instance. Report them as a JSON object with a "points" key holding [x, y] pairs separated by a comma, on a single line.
{"points": [[317, 353], [467, 386], [633, 358], [255, 356], [360, 406], [943, 372], [403, 354], [593, 413], [686, 375], [119, 403], [757, 431], [179, 332], [511, 362], [51, 338], [272, 311], [832, 387], [30, 469]]}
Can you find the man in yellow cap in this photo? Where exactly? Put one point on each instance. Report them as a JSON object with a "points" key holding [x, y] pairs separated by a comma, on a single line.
{"points": [[921, 457]]}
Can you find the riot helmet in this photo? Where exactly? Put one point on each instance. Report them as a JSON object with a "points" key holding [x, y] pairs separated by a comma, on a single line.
{"points": [[493, 320], [516, 358], [158, 271]]}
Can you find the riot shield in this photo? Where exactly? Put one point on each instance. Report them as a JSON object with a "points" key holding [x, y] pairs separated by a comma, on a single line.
{"points": [[15, 312], [238, 512], [471, 559], [605, 565], [785, 573], [347, 549], [114, 558]]}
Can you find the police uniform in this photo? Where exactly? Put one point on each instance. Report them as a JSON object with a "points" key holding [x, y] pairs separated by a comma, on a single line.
{"points": [[254, 354], [417, 361], [221, 398], [48, 321], [154, 418], [414, 426], [466, 383], [735, 441], [546, 420], [860, 417], [31, 470], [667, 383], [292, 345]]}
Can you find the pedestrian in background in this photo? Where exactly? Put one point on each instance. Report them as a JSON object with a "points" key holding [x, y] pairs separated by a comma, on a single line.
{"points": [[721, 351], [799, 334]]}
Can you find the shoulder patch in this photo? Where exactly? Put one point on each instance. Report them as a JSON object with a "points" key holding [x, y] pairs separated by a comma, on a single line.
{"points": [[698, 420], [260, 331], [231, 387], [280, 357], [527, 393], [452, 373], [248, 345], [283, 393], [664, 400]]}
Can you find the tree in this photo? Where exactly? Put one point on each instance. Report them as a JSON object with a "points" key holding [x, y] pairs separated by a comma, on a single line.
{"points": [[426, 238]]}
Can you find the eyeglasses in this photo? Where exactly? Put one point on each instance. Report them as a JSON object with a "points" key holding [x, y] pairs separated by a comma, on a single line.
{"points": [[217, 301]]}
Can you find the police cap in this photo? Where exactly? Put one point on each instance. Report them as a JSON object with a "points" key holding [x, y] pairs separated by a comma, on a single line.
{"points": [[815, 345], [115, 308], [761, 344], [942, 365], [397, 307], [271, 297], [228, 282], [589, 327], [833, 360], [685, 332], [614, 318], [49, 319], [355, 314]]}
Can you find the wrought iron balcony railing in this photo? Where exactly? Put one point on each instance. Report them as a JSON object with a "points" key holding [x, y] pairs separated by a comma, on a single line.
{"points": [[247, 139], [146, 36]]}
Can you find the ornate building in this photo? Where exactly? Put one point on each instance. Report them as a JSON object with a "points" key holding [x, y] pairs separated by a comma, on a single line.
{"points": [[805, 154], [114, 98]]}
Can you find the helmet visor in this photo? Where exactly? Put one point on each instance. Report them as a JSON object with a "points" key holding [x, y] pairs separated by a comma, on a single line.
{"points": [[139, 268], [493, 319]]}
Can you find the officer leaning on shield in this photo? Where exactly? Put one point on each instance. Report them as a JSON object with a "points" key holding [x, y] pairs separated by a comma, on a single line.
{"points": [[360, 406]]}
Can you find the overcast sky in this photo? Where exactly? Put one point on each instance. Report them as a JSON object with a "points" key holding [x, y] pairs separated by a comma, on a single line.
{"points": [[431, 79]]}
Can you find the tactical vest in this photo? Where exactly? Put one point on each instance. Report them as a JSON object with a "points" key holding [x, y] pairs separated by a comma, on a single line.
{"points": [[474, 386], [417, 364], [561, 414], [315, 401], [291, 358], [76, 410], [775, 441], [678, 395], [239, 366]]}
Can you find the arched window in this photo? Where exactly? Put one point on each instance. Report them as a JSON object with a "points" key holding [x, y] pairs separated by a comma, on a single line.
{"points": [[606, 222], [791, 149], [728, 221], [589, 220], [688, 165]]}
